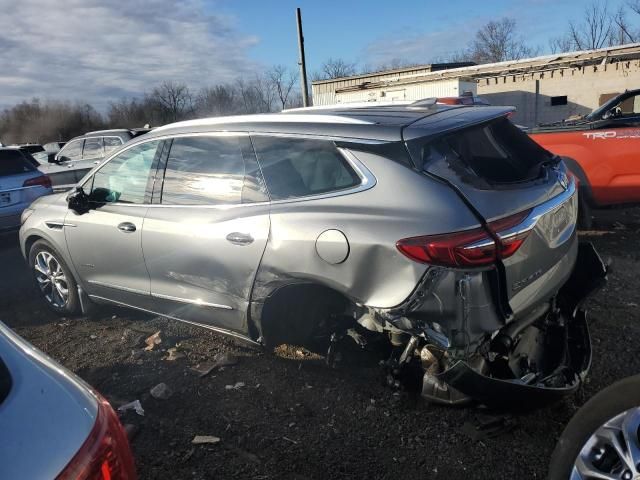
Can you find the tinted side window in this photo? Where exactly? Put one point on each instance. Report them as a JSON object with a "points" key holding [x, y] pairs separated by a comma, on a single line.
{"points": [[111, 143], [204, 171], [124, 178], [92, 148], [294, 167], [13, 163], [72, 150]]}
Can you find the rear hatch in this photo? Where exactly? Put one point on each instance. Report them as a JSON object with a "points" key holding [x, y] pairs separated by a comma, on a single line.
{"points": [[14, 171], [518, 190]]}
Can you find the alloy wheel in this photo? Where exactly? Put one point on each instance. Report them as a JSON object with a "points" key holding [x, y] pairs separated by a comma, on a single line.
{"points": [[613, 451], [51, 279]]}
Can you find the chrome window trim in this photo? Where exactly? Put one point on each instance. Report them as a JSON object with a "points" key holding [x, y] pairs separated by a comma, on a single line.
{"points": [[367, 179], [171, 317], [196, 301]]}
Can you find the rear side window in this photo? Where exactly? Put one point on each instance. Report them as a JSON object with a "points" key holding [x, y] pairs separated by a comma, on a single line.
{"points": [[92, 148], [72, 150], [111, 143], [13, 163], [497, 152], [295, 167], [204, 171]]}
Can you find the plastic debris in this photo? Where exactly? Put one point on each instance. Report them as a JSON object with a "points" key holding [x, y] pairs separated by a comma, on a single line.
{"points": [[236, 386], [202, 439], [135, 405], [219, 360]]}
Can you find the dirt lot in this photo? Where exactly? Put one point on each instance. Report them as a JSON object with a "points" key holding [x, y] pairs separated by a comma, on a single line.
{"points": [[295, 418]]}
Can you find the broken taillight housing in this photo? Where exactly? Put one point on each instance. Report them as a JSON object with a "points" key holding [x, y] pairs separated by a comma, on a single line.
{"points": [[105, 454], [469, 248]]}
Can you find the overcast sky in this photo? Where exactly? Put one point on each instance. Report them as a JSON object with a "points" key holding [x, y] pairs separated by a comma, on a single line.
{"points": [[102, 50]]}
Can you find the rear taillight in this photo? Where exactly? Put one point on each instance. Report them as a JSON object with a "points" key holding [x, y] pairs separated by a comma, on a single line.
{"points": [[105, 455], [469, 248], [42, 180]]}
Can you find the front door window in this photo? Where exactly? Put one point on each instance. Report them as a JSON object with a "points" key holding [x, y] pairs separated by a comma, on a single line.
{"points": [[124, 178]]}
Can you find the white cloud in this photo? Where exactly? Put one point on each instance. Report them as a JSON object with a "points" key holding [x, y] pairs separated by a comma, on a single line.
{"points": [[100, 50]]}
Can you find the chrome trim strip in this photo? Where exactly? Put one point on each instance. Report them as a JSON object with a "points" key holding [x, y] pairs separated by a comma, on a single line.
{"points": [[118, 287], [53, 224], [17, 189], [367, 181], [539, 211], [531, 220], [197, 324], [197, 301]]}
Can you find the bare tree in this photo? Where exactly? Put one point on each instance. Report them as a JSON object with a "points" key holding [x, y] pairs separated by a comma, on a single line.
{"points": [[173, 100], [622, 31], [283, 80], [335, 68], [498, 41], [561, 44], [595, 30], [217, 100]]}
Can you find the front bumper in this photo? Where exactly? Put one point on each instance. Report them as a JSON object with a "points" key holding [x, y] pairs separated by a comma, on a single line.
{"points": [[568, 356]]}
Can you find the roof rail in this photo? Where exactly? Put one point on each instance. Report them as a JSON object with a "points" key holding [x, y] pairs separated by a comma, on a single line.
{"points": [[424, 102]]}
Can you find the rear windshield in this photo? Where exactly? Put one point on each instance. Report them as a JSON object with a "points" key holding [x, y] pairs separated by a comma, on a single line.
{"points": [[497, 152], [12, 162]]}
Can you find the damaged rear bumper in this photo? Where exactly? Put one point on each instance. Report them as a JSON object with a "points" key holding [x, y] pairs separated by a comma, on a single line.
{"points": [[567, 356]]}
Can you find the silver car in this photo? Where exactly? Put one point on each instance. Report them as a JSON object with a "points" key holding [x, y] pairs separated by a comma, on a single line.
{"points": [[443, 230], [20, 184], [52, 425]]}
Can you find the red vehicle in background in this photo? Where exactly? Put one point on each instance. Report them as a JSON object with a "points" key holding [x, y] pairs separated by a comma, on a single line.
{"points": [[464, 99], [602, 150]]}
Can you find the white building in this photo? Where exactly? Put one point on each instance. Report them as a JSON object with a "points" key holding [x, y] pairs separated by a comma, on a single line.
{"points": [[543, 89]]}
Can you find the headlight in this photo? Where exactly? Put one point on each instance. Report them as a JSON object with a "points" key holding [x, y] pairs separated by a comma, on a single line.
{"points": [[26, 213]]}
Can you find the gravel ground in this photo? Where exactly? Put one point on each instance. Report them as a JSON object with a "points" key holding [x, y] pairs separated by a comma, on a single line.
{"points": [[293, 417]]}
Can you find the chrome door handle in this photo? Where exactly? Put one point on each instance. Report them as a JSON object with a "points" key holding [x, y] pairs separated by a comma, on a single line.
{"points": [[127, 227], [238, 238]]}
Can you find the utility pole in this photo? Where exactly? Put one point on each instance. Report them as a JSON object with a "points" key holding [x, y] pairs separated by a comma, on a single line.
{"points": [[301, 61]]}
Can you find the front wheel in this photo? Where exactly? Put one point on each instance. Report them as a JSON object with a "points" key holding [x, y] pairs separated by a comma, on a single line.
{"points": [[602, 440], [54, 279]]}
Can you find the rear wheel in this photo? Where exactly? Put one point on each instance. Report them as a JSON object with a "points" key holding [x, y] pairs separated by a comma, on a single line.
{"points": [[601, 441], [54, 279]]}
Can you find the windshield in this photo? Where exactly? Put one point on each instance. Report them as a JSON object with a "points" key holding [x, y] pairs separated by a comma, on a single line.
{"points": [[599, 112]]}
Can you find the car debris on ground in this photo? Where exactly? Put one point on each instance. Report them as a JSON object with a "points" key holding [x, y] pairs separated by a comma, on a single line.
{"points": [[161, 391], [135, 406], [204, 439]]}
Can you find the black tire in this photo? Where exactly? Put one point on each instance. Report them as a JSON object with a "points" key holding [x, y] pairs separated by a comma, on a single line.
{"points": [[605, 405], [585, 217], [71, 305]]}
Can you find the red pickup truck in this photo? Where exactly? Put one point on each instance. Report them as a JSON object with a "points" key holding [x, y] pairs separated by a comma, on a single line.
{"points": [[602, 150]]}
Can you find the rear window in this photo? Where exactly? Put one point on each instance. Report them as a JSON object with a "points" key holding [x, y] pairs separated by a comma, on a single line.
{"points": [[295, 167], [13, 163], [498, 152]]}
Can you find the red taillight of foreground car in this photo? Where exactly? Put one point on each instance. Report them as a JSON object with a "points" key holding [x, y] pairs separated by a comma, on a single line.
{"points": [[106, 454], [469, 248], [42, 180]]}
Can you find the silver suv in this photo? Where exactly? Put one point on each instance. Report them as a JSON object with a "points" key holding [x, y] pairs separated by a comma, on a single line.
{"points": [[445, 231]]}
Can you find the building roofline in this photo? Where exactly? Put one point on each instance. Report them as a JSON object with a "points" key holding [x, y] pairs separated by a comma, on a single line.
{"points": [[510, 66]]}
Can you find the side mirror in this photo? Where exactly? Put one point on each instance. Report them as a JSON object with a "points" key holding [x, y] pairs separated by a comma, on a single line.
{"points": [[59, 159], [78, 201]]}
